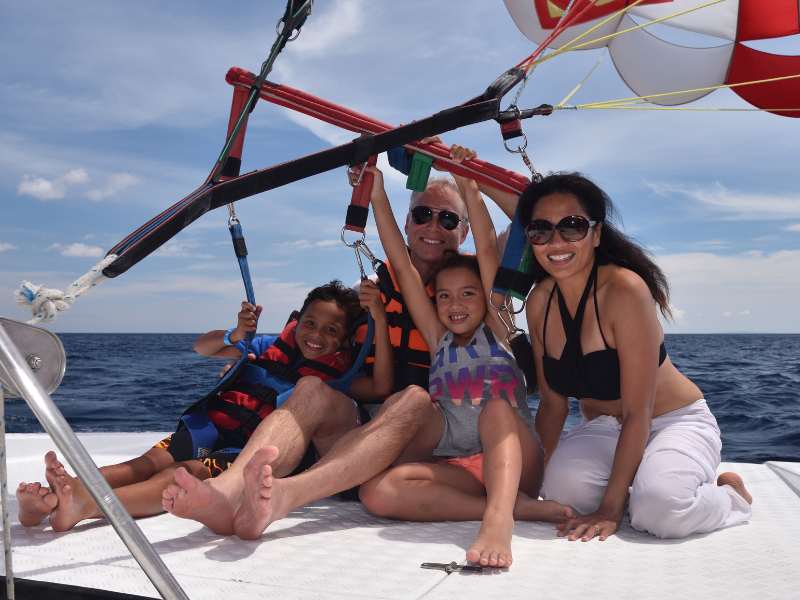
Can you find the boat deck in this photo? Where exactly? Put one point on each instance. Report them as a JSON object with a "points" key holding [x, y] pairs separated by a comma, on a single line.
{"points": [[335, 550]]}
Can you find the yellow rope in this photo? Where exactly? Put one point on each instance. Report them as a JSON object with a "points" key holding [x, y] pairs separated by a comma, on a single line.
{"points": [[566, 47], [711, 88], [572, 45], [683, 108], [580, 84], [643, 25]]}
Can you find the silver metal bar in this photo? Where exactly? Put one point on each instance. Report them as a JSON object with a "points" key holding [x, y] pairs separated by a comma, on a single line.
{"points": [[4, 493], [68, 444]]}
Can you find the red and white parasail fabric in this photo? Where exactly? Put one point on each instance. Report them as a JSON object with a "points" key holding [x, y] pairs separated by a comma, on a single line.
{"points": [[650, 65]]}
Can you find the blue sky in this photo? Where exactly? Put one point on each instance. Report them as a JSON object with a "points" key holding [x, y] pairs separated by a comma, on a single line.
{"points": [[111, 111]]}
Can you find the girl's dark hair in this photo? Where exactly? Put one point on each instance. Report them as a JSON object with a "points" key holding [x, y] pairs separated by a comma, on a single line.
{"points": [[615, 247], [454, 260], [346, 298]]}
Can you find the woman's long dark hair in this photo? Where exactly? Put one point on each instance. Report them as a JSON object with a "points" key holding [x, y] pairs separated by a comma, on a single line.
{"points": [[615, 247]]}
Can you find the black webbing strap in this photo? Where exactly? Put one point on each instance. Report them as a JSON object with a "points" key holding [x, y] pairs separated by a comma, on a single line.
{"points": [[523, 354], [512, 279], [385, 284], [248, 419], [208, 197]]}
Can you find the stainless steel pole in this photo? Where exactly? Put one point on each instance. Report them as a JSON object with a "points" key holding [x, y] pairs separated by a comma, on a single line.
{"points": [[67, 442], [4, 493]]}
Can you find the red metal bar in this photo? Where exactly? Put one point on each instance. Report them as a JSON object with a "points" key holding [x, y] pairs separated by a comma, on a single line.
{"points": [[345, 118]]}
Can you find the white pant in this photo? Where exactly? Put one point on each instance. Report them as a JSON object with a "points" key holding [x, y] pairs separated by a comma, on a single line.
{"points": [[674, 493]]}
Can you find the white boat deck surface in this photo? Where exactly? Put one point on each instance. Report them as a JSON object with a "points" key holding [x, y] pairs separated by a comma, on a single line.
{"points": [[335, 550]]}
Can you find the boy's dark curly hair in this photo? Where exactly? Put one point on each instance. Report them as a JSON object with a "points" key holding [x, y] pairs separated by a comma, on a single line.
{"points": [[346, 298]]}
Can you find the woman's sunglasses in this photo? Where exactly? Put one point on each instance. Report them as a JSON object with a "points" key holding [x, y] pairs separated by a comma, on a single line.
{"points": [[572, 229], [422, 214]]}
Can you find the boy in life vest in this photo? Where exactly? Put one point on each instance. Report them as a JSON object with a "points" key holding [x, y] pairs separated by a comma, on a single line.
{"points": [[315, 344]]}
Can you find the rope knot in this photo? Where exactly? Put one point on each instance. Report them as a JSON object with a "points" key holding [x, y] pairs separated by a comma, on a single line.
{"points": [[45, 302]]}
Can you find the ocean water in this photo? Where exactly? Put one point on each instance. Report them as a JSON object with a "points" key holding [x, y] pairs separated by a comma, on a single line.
{"points": [[142, 382]]}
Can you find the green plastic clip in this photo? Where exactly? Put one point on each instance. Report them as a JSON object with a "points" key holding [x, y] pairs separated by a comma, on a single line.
{"points": [[419, 172], [525, 266]]}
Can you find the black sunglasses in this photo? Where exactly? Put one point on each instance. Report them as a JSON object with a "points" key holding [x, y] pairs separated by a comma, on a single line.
{"points": [[422, 214], [572, 229]]}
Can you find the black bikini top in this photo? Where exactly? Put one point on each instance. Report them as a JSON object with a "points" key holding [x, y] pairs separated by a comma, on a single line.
{"points": [[577, 375]]}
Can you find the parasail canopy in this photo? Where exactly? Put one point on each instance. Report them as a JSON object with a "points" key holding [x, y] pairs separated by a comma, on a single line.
{"points": [[651, 66]]}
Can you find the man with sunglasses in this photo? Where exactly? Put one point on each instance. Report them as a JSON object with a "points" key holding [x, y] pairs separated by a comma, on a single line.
{"points": [[435, 224]]}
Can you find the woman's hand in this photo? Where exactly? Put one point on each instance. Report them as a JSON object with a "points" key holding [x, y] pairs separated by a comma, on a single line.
{"points": [[599, 524], [369, 296]]}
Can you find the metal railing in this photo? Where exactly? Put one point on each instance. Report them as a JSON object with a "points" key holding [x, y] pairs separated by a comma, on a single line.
{"points": [[19, 374]]}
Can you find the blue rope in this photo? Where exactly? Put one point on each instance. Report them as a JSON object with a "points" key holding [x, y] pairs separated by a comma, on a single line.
{"points": [[239, 247]]}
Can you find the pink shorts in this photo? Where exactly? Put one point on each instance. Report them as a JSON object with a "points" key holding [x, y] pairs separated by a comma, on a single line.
{"points": [[472, 463]]}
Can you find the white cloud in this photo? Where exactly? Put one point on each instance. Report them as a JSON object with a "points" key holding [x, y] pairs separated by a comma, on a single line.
{"points": [[303, 244], [78, 249], [678, 314], [734, 204], [794, 227], [115, 183], [332, 31], [181, 249], [750, 291], [5, 247], [712, 244], [51, 189]]}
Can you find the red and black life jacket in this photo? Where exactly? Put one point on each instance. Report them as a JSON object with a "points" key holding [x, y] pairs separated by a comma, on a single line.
{"points": [[243, 405]]}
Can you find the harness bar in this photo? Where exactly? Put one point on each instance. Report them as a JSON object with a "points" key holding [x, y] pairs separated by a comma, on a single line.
{"points": [[300, 101]]}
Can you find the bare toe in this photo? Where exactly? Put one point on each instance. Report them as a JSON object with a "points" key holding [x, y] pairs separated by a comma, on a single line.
{"points": [[735, 481]]}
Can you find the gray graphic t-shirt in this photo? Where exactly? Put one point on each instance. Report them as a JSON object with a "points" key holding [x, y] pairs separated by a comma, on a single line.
{"points": [[462, 378]]}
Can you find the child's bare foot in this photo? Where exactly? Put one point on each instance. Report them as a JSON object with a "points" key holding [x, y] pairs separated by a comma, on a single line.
{"points": [[190, 498], [52, 468], [74, 503], [492, 547], [263, 502], [35, 503], [533, 509], [735, 481]]}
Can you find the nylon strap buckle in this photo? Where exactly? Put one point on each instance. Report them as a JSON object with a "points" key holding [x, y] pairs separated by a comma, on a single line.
{"points": [[513, 129]]}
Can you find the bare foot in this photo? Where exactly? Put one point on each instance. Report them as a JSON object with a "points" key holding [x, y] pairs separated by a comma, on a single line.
{"points": [[35, 503], [52, 468], [262, 502], [735, 481], [492, 547], [189, 498], [533, 509], [74, 503]]}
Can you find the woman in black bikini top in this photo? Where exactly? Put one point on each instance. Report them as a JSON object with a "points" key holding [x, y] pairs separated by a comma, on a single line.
{"points": [[602, 343]]}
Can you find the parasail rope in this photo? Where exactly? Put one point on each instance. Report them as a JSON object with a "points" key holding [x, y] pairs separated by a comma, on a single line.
{"points": [[633, 100], [47, 302], [577, 88], [572, 45], [292, 21], [683, 108], [566, 20]]}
